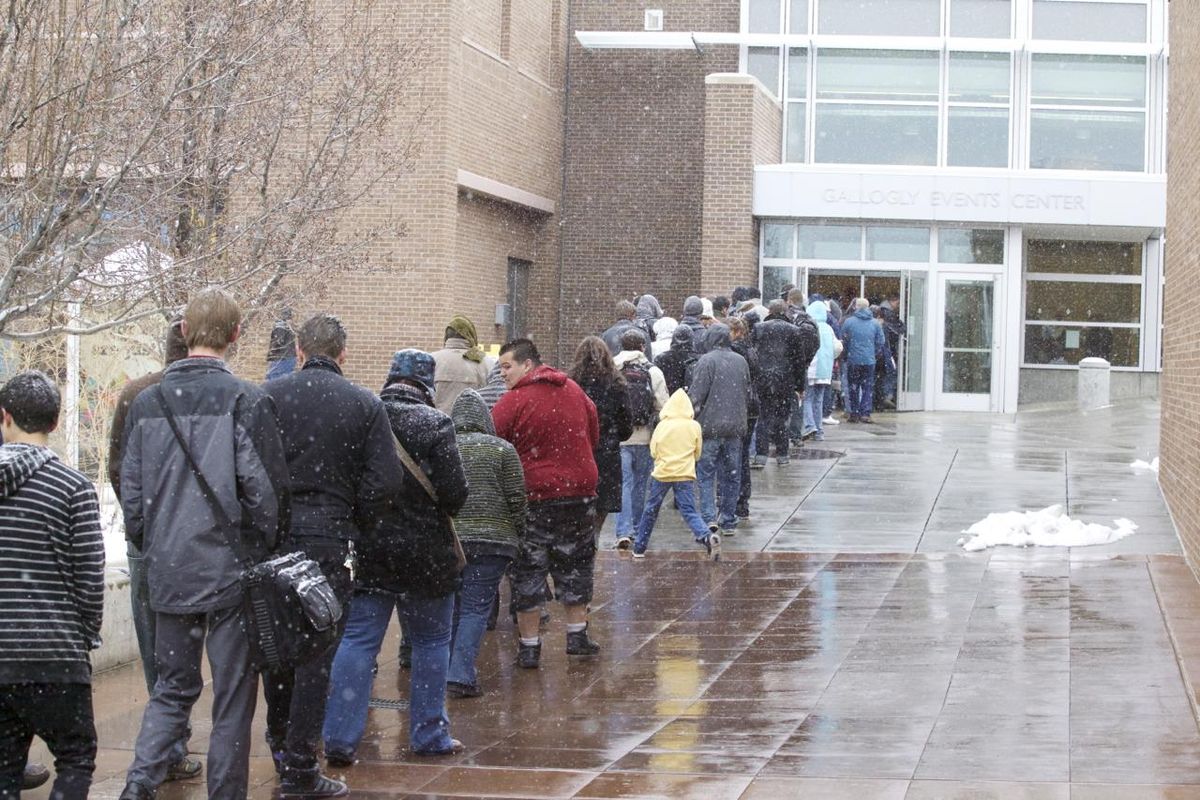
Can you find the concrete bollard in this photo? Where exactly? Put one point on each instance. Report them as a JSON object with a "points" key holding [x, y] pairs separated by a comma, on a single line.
{"points": [[1094, 383]]}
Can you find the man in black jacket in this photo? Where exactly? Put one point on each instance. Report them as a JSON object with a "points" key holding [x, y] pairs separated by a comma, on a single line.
{"points": [[343, 466], [230, 428], [783, 358]]}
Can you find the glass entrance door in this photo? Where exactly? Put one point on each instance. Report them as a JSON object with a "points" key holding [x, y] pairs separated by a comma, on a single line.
{"points": [[967, 335], [910, 360]]}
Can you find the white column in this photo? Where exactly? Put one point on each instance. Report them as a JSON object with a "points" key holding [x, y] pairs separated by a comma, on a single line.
{"points": [[70, 411]]}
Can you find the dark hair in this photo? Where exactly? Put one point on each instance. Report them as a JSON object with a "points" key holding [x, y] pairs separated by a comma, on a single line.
{"points": [[753, 293], [176, 347], [33, 400], [633, 339], [594, 363], [777, 307], [720, 303], [522, 350], [322, 335]]}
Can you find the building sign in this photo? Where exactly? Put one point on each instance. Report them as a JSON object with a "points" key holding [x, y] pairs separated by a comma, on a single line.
{"points": [[1019, 198]]}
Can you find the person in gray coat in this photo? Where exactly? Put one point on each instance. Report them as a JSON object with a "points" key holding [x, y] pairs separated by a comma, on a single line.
{"points": [[720, 395], [231, 429]]}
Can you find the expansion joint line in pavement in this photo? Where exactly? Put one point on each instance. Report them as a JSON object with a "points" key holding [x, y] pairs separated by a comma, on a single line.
{"points": [[807, 495], [932, 508]]}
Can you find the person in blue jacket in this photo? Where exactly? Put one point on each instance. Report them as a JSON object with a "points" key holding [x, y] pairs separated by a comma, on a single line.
{"points": [[862, 339]]}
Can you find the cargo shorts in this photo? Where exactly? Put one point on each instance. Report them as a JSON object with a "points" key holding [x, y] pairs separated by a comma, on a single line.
{"points": [[560, 542]]}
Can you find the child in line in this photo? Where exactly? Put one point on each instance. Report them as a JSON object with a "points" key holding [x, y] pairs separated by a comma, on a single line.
{"points": [[675, 447]]}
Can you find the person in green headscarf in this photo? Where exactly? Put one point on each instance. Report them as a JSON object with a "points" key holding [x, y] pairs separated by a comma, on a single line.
{"points": [[460, 364]]}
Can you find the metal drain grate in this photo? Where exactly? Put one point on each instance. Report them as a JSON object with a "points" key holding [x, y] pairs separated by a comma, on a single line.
{"points": [[391, 705], [812, 454]]}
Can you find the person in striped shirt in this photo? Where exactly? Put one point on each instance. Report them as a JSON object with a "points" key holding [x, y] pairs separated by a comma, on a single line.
{"points": [[51, 594]]}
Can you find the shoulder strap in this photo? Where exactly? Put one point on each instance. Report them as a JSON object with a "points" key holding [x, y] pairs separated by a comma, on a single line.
{"points": [[232, 537], [414, 469]]}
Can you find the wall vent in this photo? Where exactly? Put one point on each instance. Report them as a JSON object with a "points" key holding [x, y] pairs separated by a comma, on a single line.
{"points": [[654, 19]]}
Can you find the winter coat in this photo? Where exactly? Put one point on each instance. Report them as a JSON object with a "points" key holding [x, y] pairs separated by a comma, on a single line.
{"points": [[492, 520], [745, 348], [677, 441], [641, 433], [678, 362], [862, 337], [612, 408], [697, 328], [116, 432], [410, 550], [283, 342], [821, 369], [720, 390], [453, 372], [51, 568], [783, 356], [232, 430], [555, 428], [341, 461]]}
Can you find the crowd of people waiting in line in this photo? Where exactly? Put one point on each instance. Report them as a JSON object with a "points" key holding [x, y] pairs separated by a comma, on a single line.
{"points": [[519, 465]]}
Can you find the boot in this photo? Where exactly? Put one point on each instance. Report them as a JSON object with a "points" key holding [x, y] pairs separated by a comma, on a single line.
{"points": [[529, 655], [34, 776], [309, 782], [135, 791], [578, 644]]}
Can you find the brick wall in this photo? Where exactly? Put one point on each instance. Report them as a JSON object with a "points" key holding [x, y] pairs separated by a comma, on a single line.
{"points": [[1180, 443]]}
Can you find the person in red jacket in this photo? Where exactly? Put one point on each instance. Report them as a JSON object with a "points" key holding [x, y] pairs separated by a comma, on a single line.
{"points": [[554, 427]]}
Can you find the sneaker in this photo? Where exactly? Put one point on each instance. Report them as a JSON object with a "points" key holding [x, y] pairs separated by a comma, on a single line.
{"points": [[783, 461], [34, 776], [866, 420], [311, 783], [339, 759], [454, 749], [729, 531], [852, 419], [624, 542], [639, 554], [832, 420], [808, 435], [461, 690], [135, 791], [714, 546], [529, 655], [758, 462], [187, 768], [578, 644]]}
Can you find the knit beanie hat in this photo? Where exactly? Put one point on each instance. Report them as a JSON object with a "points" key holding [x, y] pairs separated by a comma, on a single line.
{"points": [[416, 365], [692, 307]]}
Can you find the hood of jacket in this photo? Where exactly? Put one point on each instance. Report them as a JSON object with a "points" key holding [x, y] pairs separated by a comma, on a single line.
{"points": [[648, 307], [543, 374], [683, 339], [404, 393], [19, 463], [717, 336], [471, 415], [818, 311], [679, 406], [864, 313], [665, 328], [630, 357]]}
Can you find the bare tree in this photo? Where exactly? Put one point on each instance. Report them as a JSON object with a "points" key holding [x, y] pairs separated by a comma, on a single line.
{"points": [[151, 146]]}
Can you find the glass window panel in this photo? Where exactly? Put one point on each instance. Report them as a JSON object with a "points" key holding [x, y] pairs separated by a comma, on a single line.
{"points": [[777, 240], [774, 279], [1088, 140], [967, 356], [967, 373], [798, 21], [764, 16], [897, 244], [979, 77], [1057, 344], [797, 73], [1075, 80], [796, 119], [1072, 301], [977, 137], [836, 242], [970, 246], [880, 17], [763, 63], [1089, 22], [898, 135], [1083, 258], [990, 19], [877, 75]]}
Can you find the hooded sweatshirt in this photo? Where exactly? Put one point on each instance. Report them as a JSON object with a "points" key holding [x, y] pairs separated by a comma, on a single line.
{"points": [[554, 427], [862, 337], [677, 441], [677, 363], [664, 329], [493, 518], [720, 389], [820, 369], [51, 568]]}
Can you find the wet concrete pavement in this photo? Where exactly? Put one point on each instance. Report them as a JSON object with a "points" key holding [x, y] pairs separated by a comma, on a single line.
{"points": [[844, 650]]}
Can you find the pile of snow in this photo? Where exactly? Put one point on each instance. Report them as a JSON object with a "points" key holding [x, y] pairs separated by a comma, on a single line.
{"points": [[1152, 466], [1049, 527]]}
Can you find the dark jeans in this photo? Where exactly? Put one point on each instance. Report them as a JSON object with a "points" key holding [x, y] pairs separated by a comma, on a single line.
{"points": [[774, 413], [472, 607], [296, 698], [859, 400], [61, 714], [743, 503], [143, 627]]}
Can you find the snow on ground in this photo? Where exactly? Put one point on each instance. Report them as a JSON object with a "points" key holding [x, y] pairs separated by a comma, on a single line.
{"points": [[1049, 527], [1152, 466]]}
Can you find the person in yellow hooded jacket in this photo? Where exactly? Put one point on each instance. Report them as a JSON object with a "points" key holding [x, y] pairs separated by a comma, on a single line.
{"points": [[675, 446]]}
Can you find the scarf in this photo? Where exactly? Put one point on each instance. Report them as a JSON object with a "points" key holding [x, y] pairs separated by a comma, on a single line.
{"points": [[466, 331]]}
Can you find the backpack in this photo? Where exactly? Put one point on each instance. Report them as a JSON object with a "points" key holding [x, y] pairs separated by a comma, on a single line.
{"points": [[640, 392]]}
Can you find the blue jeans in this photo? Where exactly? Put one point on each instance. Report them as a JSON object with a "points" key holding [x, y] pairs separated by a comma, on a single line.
{"points": [[636, 466], [685, 498], [860, 400], [427, 621], [814, 407], [720, 469], [472, 607], [280, 368]]}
